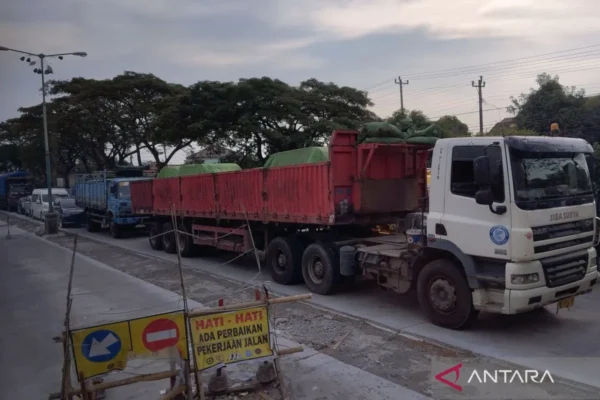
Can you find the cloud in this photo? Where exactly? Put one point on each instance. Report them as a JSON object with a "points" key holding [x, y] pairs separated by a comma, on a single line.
{"points": [[443, 19]]}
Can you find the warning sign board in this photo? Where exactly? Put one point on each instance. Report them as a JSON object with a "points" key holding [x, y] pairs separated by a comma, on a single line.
{"points": [[232, 336], [158, 333], [101, 349]]}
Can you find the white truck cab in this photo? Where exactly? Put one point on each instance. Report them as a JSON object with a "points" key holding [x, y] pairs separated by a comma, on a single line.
{"points": [[510, 227], [519, 214]]}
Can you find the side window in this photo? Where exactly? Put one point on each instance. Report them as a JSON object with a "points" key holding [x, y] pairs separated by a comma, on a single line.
{"points": [[462, 178]]}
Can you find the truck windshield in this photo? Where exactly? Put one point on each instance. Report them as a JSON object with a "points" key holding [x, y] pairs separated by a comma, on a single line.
{"points": [[124, 190], [539, 178]]}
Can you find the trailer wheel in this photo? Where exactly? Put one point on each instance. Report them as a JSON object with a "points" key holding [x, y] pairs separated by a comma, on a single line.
{"points": [[92, 226], [114, 229], [445, 296], [155, 238], [319, 268], [284, 256], [187, 248], [168, 238]]}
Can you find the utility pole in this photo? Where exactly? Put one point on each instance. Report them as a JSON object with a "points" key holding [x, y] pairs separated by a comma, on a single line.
{"points": [[480, 85], [401, 83]]}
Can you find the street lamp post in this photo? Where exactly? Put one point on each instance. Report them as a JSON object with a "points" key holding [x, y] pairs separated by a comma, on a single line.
{"points": [[51, 221]]}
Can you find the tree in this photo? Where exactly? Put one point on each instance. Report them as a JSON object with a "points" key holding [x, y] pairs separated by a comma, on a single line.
{"points": [[551, 102], [450, 126]]}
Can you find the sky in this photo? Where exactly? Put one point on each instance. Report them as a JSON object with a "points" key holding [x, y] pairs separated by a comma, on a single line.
{"points": [[360, 43]]}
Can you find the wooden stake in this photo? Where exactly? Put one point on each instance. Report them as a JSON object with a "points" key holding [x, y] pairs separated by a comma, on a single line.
{"points": [[198, 377], [66, 371], [84, 392], [291, 350]]}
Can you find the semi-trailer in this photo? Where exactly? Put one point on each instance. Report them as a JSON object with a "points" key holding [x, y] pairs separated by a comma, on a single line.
{"points": [[503, 224]]}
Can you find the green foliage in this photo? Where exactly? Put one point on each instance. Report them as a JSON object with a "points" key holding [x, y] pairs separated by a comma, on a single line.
{"points": [[99, 124], [450, 126]]}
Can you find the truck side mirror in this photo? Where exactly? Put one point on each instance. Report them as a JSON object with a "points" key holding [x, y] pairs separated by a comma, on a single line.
{"points": [[113, 189], [484, 197]]}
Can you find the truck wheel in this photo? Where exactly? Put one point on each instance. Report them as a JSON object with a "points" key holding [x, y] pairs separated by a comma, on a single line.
{"points": [[284, 256], [187, 248], [445, 296], [168, 238], [92, 226], [319, 268], [155, 238], [114, 229]]}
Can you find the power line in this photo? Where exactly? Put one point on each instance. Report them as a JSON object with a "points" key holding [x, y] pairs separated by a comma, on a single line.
{"points": [[413, 76]]}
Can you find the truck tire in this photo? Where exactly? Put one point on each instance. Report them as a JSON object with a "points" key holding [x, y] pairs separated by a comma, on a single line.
{"points": [[114, 229], [320, 269], [187, 248], [168, 239], [155, 238], [445, 296], [284, 257], [92, 226]]}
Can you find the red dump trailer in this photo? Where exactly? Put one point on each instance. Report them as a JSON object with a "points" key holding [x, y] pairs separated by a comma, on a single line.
{"points": [[294, 213]]}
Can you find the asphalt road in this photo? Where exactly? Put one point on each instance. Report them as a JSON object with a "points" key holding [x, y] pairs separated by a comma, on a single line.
{"points": [[567, 342]]}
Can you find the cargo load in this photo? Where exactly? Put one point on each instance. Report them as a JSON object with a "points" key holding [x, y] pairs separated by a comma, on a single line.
{"points": [[170, 171]]}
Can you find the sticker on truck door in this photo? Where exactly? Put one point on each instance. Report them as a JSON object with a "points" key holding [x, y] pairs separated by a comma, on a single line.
{"points": [[499, 235]]}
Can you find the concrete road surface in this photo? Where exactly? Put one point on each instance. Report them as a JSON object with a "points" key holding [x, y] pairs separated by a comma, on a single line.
{"points": [[567, 342], [33, 279]]}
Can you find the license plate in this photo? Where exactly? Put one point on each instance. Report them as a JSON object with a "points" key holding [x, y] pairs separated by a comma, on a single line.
{"points": [[566, 303]]}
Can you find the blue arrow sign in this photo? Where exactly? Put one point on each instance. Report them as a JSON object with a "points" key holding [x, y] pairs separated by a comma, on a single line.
{"points": [[101, 346]]}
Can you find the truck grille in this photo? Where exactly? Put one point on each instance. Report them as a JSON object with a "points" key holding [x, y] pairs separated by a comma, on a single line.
{"points": [[563, 230], [560, 230], [564, 269]]}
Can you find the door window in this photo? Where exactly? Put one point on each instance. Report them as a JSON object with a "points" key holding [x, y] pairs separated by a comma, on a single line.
{"points": [[462, 177]]}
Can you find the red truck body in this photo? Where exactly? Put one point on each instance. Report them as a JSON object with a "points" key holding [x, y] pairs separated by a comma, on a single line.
{"points": [[360, 184]]}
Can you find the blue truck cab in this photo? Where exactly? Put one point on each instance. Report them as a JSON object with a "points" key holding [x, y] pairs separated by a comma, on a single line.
{"points": [[106, 201]]}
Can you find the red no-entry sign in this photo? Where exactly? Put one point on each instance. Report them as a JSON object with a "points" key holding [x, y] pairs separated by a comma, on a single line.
{"points": [[160, 334]]}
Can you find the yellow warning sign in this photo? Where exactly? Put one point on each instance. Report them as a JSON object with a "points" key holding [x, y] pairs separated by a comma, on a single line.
{"points": [[101, 349], [158, 334], [232, 336]]}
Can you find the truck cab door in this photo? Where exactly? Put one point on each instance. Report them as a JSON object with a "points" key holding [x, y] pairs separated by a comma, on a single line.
{"points": [[474, 228]]}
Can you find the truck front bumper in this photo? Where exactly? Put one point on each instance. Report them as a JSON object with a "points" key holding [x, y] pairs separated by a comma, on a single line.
{"points": [[519, 301]]}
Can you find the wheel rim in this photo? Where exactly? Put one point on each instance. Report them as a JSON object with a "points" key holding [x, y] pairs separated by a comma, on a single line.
{"points": [[279, 262], [442, 295], [316, 270], [168, 239]]}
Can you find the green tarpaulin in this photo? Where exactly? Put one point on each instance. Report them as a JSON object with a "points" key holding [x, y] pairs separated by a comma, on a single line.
{"points": [[422, 140], [196, 169], [379, 130], [307, 155], [387, 140]]}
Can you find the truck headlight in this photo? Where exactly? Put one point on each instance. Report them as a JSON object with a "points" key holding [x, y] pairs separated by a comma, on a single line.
{"points": [[524, 279], [593, 263]]}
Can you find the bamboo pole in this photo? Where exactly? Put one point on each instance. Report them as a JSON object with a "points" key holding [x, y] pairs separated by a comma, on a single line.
{"points": [[191, 360], [66, 371], [231, 307], [121, 382], [291, 350]]}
